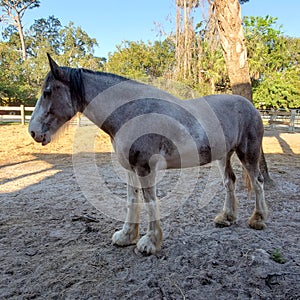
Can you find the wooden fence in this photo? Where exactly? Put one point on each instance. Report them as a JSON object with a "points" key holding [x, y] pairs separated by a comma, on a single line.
{"points": [[22, 114], [271, 118], [276, 118], [15, 114]]}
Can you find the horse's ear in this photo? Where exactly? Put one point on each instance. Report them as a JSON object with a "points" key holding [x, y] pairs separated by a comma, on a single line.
{"points": [[56, 70]]}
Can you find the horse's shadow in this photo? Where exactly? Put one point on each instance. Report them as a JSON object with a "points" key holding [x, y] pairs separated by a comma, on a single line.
{"points": [[40, 167], [285, 147]]}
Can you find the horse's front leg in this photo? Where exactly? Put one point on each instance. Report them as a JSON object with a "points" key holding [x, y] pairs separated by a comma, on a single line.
{"points": [[151, 242], [129, 234]]}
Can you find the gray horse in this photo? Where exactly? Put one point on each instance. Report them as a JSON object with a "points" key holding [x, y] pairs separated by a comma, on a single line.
{"points": [[152, 130]]}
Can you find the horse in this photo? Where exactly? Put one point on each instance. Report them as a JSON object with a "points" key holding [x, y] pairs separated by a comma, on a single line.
{"points": [[152, 130]]}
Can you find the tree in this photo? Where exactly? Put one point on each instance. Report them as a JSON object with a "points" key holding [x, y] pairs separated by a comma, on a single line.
{"points": [[77, 48], [14, 11], [14, 87], [278, 90], [44, 34], [274, 64], [141, 60], [21, 79], [185, 38]]}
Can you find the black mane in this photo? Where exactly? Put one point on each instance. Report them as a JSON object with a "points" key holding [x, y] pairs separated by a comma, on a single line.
{"points": [[77, 87]]}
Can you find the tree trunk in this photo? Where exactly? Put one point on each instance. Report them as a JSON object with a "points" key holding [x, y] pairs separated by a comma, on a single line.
{"points": [[229, 23], [21, 34], [13, 13], [231, 34], [185, 37]]}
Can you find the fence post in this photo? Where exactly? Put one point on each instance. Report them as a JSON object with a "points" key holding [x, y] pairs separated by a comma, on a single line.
{"points": [[22, 108], [292, 120]]}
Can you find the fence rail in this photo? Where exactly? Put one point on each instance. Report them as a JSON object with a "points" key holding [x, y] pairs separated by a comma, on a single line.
{"points": [[271, 118], [15, 113]]}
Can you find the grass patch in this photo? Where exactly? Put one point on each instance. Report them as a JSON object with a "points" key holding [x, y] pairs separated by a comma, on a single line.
{"points": [[277, 256]]}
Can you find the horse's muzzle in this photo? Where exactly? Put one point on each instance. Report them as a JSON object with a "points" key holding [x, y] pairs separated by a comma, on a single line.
{"points": [[43, 138]]}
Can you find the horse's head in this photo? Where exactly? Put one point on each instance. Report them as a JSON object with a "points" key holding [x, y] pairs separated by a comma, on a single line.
{"points": [[57, 103]]}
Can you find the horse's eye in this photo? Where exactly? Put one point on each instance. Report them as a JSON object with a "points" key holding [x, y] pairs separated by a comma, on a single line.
{"points": [[47, 93]]}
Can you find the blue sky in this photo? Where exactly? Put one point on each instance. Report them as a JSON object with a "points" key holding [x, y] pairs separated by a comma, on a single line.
{"points": [[112, 22]]}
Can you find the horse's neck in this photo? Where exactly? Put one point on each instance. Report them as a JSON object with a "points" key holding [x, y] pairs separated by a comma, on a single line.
{"points": [[104, 93], [96, 83]]}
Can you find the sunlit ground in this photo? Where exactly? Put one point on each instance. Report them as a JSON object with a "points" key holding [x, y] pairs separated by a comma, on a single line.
{"points": [[18, 176], [282, 143]]}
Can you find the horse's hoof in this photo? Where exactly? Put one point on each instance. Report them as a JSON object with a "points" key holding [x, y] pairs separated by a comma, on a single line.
{"points": [[122, 238], [148, 244], [224, 220], [257, 221], [257, 225]]}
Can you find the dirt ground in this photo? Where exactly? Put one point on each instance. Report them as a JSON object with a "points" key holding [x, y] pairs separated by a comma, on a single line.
{"points": [[54, 244]]}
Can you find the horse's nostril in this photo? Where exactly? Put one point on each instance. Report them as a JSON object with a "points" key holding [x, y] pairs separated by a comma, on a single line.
{"points": [[32, 134]]}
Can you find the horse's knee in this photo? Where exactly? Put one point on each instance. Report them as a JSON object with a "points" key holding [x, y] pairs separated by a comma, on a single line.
{"points": [[260, 178], [229, 180], [229, 185]]}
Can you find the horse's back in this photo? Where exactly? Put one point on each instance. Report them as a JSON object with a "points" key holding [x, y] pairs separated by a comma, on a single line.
{"points": [[234, 110], [238, 119], [231, 105]]}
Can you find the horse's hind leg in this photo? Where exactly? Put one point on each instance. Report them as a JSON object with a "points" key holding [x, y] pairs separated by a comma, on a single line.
{"points": [[228, 215], [129, 234], [250, 161], [260, 214]]}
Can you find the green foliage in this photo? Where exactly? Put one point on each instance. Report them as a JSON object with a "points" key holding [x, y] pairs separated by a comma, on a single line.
{"points": [[44, 34], [140, 60], [14, 88], [278, 90], [21, 80], [75, 44], [13, 7], [263, 44], [145, 61], [274, 64], [213, 75]]}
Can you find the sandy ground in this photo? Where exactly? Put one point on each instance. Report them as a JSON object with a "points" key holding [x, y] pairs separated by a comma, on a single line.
{"points": [[54, 243]]}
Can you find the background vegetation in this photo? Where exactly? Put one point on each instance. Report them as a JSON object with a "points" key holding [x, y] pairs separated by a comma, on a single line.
{"points": [[273, 58]]}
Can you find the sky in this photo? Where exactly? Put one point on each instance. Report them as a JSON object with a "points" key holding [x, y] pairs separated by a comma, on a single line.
{"points": [[112, 22]]}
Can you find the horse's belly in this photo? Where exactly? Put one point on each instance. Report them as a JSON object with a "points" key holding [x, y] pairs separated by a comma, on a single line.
{"points": [[189, 158]]}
